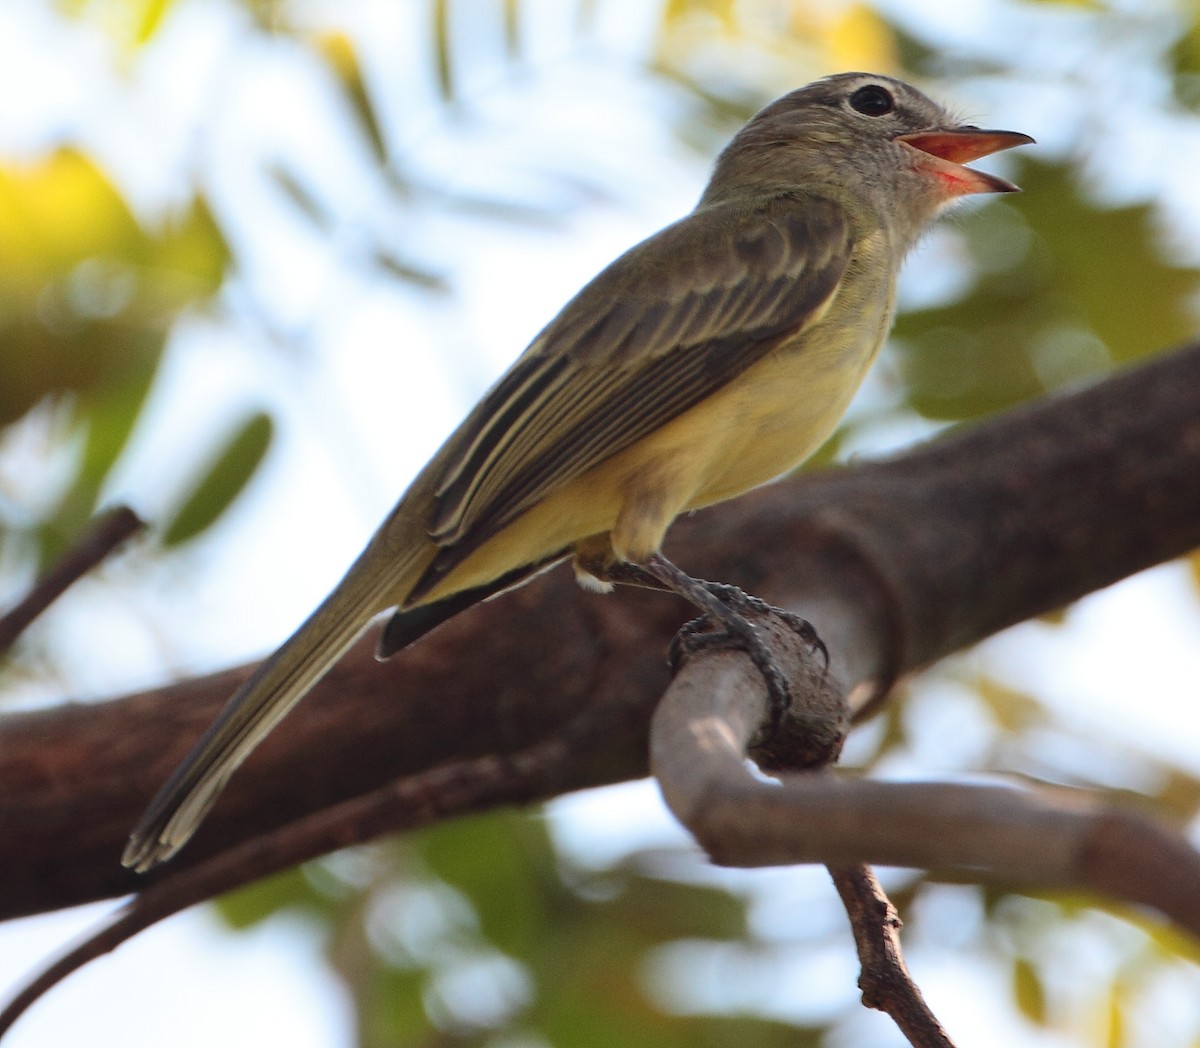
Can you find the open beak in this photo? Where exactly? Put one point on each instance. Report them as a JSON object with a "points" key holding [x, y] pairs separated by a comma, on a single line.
{"points": [[946, 151]]}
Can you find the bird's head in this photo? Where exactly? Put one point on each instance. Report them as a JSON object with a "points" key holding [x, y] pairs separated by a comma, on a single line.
{"points": [[875, 143]]}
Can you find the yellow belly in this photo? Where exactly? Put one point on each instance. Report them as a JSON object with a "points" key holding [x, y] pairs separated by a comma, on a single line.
{"points": [[761, 425]]}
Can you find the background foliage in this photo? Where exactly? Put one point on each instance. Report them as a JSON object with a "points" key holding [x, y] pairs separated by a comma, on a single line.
{"points": [[172, 295]]}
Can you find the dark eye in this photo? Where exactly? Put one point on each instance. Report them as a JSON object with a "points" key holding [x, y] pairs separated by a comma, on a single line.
{"points": [[872, 100]]}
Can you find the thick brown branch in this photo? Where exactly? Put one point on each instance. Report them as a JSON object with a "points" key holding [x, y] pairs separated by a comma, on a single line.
{"points": [[896, 563], [468, 785], [365, 726]]}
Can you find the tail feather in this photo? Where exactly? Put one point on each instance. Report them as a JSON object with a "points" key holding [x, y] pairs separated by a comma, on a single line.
{"points": [[254, 710], [410, 624]]}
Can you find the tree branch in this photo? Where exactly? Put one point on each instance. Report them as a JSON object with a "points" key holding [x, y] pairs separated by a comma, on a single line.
{"points": [[885, 982], [419, 800], [102, 536], [701, 736], [897, 563], [699, 743]]}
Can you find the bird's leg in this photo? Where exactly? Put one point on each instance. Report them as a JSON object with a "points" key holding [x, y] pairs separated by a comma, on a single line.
{"points": [[724, 604], [622, 573], [727, 605], [741, 601]]}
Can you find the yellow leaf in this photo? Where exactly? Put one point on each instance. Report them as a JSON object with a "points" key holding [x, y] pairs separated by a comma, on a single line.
{"points": [[859, 39], [129, 24], [58, 212], [1028, 991], [149, 19], [338, 51], [1116, 1020], [1192, 563]]}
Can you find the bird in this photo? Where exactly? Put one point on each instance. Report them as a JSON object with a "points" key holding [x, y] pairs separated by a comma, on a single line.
{"points": [[707, 360]]}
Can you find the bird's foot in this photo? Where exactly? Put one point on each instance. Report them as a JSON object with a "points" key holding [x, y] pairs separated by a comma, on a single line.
{"points": [[740, 601], [730, 628]]}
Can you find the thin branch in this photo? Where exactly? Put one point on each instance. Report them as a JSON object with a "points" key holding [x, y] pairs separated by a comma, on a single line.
{"points": [[884, 979], [710, 713], [101, 538], [1043, 838]]}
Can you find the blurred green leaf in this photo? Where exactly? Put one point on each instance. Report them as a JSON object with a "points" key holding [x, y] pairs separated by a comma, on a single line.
{"points": [[1110, 264], [63, 228], [298, 194], [583, 940], [971, 356], [441, 49], [512, 28], [1028, 991], [223, 481], [86, 294], [290, 890], [407, 271], [1053, 301], [190, 257], [109, 412], [393, 1008], [503, 863], [1183, 62], [666, 909]]}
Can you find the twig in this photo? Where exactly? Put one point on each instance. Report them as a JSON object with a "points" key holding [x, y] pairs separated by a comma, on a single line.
{"points": [[1039, 837], [884, 980], [102, 537], [716, 709], [699, 744]]}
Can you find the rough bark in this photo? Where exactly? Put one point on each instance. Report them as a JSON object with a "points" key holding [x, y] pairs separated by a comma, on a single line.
{"points": [[897, 563]]}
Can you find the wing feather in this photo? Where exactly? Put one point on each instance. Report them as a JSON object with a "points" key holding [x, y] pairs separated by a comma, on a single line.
{"points": [[662, 328]]}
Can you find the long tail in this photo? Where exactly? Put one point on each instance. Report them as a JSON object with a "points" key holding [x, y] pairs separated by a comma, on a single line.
{"points": [[256, 707]]}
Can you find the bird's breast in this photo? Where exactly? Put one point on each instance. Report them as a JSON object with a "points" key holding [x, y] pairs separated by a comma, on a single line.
{"points": [[782, 409]]}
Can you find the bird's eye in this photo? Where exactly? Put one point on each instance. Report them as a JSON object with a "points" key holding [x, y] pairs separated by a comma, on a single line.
{"points": [[872, 100]]}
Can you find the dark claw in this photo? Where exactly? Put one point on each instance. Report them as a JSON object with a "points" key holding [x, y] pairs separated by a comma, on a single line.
{"points": [[740, 601], [739, 633], [736, 631], [725, 607]]}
